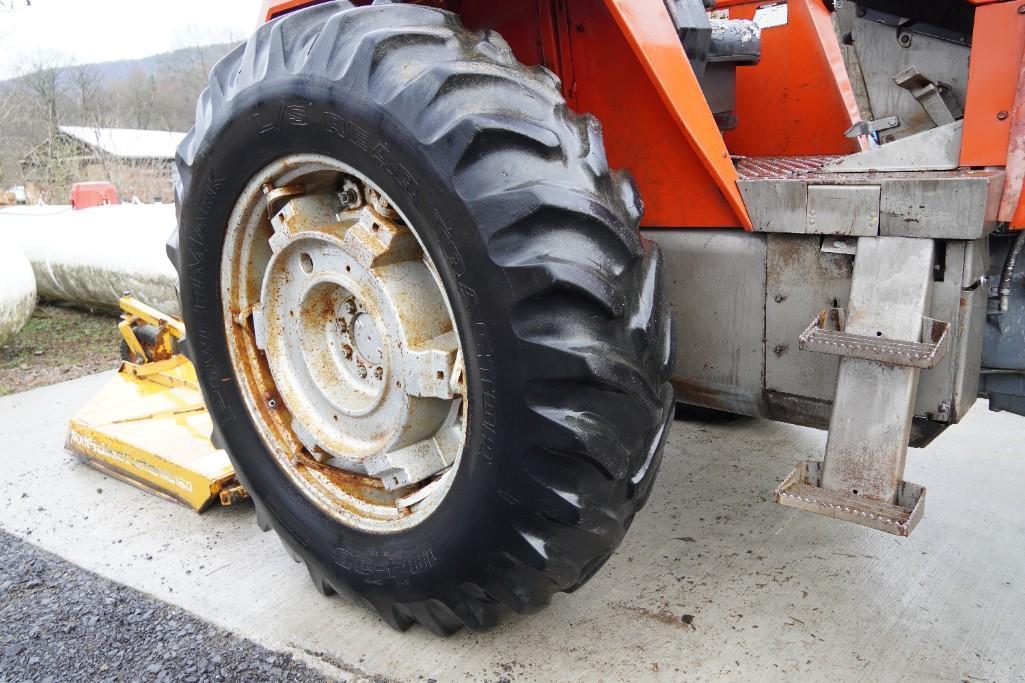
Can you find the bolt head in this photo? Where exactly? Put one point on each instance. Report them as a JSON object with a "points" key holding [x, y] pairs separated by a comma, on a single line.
{"points": [[1002, 116], [361, 371], [347, 351]]}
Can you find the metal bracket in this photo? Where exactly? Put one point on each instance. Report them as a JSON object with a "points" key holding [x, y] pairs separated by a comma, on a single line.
{"points": [[826, 335], [934, 149], [869, 127], [935, 97], [802, 489]]}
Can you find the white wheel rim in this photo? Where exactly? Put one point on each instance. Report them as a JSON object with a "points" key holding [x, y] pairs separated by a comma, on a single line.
{"points": [[344, 343]]}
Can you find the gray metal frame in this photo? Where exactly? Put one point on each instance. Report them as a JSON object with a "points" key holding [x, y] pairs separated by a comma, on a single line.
{"points": [[743, 300]]}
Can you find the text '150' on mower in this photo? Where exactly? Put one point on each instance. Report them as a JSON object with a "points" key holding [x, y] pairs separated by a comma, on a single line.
{"points": [[432, 326]]}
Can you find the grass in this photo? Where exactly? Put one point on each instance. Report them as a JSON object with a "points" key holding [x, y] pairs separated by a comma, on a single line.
{"points": [[59, 343]]}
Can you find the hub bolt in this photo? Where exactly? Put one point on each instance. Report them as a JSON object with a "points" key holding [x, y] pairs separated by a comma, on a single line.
{"points": [[347, 351], [378, 373], [350, 306], [361, 371]]}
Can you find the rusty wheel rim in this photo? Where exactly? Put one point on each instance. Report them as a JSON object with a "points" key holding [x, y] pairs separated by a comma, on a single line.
{"points": [[344, 342]]}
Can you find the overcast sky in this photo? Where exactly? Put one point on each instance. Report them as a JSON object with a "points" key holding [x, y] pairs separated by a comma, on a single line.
{"points": [[103, 30]]}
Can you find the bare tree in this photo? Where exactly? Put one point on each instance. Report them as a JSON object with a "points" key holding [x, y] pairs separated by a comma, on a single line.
{"points": [[139, 97], [54, 164], [86, 86], [7, 95], [44, 85], [51, 91], [6, 105]]}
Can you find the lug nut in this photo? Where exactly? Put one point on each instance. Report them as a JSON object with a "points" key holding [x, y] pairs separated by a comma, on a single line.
{"points": [[349, 195], [342, 325], [378, 373], [346, 350], [361, 371], [350, 306]]}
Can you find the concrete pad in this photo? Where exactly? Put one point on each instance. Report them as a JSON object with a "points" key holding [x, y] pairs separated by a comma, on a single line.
{"points": [[773, 592]]}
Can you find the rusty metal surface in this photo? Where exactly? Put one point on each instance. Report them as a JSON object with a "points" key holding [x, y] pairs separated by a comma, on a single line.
{"points": [[1015, 181], [149, 426], [802, 490], [810, 168], [874, 402], [743, 300], [801, 280], [826, 335], [843, 210], [935, 149], [780, 167], [343, 342], [715, 282], [947, 204]]}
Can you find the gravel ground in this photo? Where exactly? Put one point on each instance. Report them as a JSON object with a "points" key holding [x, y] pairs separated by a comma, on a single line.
{"points": [[61, 623]]}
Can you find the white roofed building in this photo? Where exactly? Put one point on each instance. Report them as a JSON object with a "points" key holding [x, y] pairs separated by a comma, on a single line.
{"points": [[137, 162], [127, 143]]}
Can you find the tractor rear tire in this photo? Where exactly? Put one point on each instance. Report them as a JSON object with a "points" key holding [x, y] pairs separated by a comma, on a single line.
{"points": [[557, 299]]}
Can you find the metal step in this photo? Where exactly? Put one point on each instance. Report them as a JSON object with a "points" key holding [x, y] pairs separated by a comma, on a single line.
{"points": [[802, 490], [879, 339], [826, 334]]}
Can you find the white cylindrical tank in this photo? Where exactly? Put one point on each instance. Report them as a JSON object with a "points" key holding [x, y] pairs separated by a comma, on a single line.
{"points": [[92, 256], [17, 289]]}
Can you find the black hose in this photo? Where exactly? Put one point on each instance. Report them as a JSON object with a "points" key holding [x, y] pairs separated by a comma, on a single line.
{"points": [[1008, 273]]}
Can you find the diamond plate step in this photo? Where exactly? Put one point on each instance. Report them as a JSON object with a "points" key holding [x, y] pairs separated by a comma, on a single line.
{"points": [[826, 335], [802, 490]]}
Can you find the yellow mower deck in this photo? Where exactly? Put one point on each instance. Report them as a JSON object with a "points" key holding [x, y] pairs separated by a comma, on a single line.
{"points": [[149, 426]]}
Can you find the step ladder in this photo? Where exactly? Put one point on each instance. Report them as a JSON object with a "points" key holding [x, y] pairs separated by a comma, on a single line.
{"points": [[884, 341]]}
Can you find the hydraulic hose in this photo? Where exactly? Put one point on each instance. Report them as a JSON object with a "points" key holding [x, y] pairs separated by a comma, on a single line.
{"points": [[1009, 265]]}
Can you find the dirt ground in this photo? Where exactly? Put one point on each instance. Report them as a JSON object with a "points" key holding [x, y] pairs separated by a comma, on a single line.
{"points": [[59, 343]]}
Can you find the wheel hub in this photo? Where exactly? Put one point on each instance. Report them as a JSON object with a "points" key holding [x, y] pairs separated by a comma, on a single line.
{"points": [[358, 340], [367, 337], [354, 364]]}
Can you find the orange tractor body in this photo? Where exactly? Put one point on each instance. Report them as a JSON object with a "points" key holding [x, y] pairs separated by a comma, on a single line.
{"points": [[623, 62]]}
